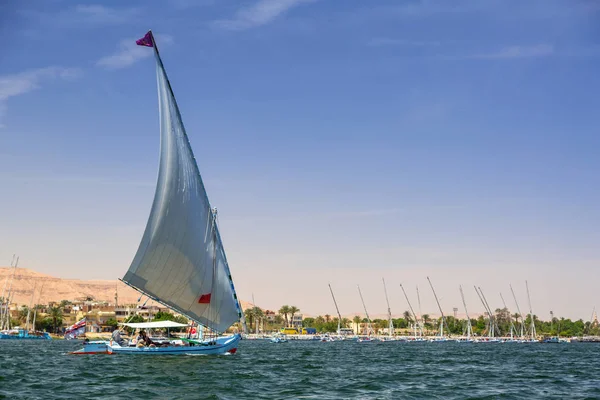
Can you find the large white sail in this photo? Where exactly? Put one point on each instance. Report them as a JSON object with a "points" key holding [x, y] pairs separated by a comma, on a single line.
{"points": [[180, 261]]}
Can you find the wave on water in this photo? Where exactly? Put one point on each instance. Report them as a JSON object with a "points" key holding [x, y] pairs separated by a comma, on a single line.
{"points": [[308, 370]]}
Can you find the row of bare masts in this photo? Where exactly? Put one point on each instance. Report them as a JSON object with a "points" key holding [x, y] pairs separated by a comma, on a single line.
{"points": [[418, 326], [370, 329], [7, 298], [7, 295], [493, 328]]}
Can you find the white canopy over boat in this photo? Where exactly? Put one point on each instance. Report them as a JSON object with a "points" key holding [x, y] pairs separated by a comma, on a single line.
{"points": [[154, 325]]}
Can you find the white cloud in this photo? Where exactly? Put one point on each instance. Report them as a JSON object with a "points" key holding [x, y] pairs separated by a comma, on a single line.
{"points": [[129, 53], [27, 81], [380, 42], [185, 4], [101, 14], [540, 50], [2, 114], [260, 13], [78, 16], [74, 180], [376, 212]]}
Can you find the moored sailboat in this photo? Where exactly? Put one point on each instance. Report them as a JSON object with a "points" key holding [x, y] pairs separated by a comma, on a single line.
{"points": [[469, 327], [441, 337], [17, 333], [418, 330], [181, 262], [368, 338], [513, 330], [337, 310], [492, 324], [390, 334]]}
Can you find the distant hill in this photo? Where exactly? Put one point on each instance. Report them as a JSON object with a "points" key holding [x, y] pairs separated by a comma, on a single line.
{"points": [[57, 289]]}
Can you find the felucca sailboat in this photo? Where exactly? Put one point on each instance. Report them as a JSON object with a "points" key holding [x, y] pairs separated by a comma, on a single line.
{"points": [[180, 262]]}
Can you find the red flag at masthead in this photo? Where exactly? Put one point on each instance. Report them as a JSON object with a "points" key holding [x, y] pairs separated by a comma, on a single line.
{"points": [[146, 40]]}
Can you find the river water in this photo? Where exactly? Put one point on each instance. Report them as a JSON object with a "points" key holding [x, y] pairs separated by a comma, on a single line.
{"points": [[307, 370]]}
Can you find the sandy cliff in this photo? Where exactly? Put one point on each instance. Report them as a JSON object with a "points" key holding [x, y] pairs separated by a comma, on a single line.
{"points": [[57, 289]]}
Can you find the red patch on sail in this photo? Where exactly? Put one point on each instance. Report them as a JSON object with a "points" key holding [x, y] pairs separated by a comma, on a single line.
{"points": [[204, 299]]}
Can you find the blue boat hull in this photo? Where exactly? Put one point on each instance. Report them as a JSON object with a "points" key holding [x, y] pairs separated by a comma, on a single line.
{"points": [[223, 345], [25, 336]]}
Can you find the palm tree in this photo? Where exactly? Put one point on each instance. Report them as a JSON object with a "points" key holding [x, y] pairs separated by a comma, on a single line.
{"points": [[345, 322], [285, 310], [23, 313], [426, 319], [278, 319], [293, 310], [56, 315], [407, 317], [249, 314], [357, 321], [258, 316], [327, 317], [516, 317]]}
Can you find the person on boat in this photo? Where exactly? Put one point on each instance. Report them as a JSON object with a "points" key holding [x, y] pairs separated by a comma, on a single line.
{"points": [[145, 340], [140, 340], [116, 336]]}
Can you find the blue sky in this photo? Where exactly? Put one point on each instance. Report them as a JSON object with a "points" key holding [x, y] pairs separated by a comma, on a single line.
{"points": [[342, 141]]}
